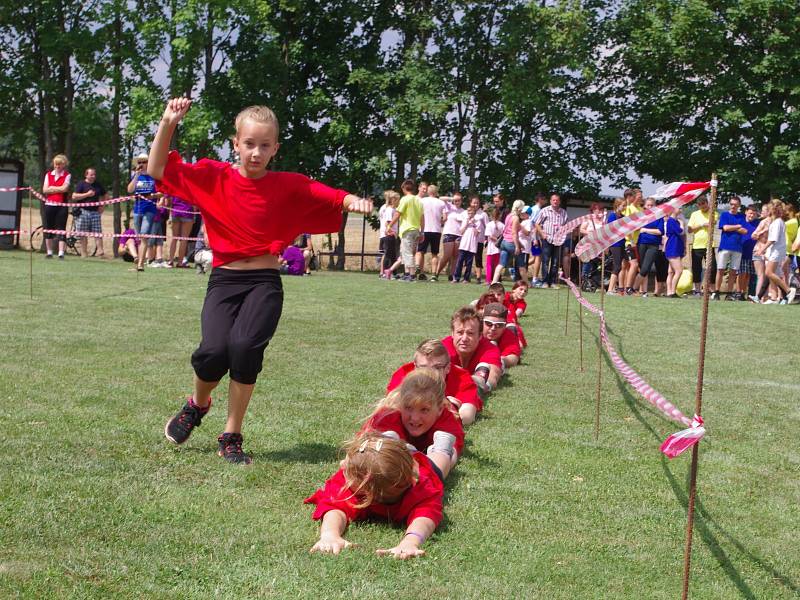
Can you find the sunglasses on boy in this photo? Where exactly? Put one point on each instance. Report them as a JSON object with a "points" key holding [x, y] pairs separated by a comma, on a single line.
{"points": [[494, 324]]}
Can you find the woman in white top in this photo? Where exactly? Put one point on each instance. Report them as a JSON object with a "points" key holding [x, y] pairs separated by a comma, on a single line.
{"points": [[775, 253], [482, 219], [451, 234]]}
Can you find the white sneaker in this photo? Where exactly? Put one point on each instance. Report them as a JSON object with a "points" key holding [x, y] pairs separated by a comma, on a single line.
{"points": [[790, 296], [770, 301], [443, 442]]}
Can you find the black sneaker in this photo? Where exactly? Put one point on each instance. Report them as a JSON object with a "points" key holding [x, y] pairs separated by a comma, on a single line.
{"points": [[179, 427], [422, 277], [230, 448]]}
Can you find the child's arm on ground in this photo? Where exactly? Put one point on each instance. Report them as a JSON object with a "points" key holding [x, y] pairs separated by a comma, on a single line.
{"points": [[334, 522], [175, 111], [419, 530]]}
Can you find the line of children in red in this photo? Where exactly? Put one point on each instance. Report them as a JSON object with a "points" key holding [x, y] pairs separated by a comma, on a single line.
{"points": [[396, 465]]}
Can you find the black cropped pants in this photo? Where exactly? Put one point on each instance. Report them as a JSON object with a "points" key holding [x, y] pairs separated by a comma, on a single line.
{"points": [[240, 315]]}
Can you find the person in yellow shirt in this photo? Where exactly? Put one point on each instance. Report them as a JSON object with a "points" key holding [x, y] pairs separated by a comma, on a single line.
{"points": [[409, 213], [792, 246], [699, 226], [634, 203]]}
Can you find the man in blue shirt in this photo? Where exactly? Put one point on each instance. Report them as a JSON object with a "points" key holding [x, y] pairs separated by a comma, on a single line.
{"points": [[746, 268], [729, 255]]}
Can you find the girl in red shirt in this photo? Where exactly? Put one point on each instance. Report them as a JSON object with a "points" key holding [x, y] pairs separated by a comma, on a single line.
{"points": [[56, 186], [250, 216], [419, 413], [379, 478]]}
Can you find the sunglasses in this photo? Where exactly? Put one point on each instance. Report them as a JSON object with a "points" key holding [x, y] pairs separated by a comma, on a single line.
{"points": [[494, 324]]}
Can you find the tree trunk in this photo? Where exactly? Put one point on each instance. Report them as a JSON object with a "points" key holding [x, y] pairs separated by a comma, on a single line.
{"points": [[116, 184], [340, 242], [473, 157]]}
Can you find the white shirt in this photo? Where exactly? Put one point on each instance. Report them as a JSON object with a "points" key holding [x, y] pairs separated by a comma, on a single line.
{"points": [[482, 219], [469, 239], [452, 226], [494, 229], [525, 235], [385, 215], [777, 234], [433, 209]]}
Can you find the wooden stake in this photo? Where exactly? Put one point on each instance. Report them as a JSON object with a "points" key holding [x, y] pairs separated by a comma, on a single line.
{"points": [[30, 230], [698, 392]]}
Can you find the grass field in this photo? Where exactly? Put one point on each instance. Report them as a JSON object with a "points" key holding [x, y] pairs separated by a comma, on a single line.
{"points": [[96, 504]]}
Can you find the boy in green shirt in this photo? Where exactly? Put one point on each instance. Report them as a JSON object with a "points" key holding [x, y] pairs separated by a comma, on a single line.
{"points": [[409, 213]]}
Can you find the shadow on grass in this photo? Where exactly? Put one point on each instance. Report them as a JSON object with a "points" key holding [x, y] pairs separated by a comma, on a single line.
{"points": [[450, 485], [313, 453], [630, 400], [124, 293], [701, 523], [704, 519]]}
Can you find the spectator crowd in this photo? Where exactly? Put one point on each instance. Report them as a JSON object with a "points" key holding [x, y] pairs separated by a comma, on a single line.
{"points": [[754, 258], [754, 250]]}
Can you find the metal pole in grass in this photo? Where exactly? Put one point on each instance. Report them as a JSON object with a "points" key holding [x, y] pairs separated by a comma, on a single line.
{"points": [[30, 229], [600, 337], [698, 392], [600, 347], [580, 313], [363, 235], [566, 311]]}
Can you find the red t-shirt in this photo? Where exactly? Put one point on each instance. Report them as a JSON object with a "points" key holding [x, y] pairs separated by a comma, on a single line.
{"points": [[514, 306], [250, 217], [390, 420], [458, 384], [423, 499], [508, 343], [485, 354]]}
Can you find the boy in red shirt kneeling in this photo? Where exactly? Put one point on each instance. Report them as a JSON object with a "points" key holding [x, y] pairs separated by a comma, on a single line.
{"points": [[460, 389]]}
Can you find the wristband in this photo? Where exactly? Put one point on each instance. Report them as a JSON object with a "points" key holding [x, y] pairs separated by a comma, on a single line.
{"points": [[421, 539]]}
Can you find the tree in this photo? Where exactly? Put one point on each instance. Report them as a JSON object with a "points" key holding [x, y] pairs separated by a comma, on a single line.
{"points": [[699, 86]]}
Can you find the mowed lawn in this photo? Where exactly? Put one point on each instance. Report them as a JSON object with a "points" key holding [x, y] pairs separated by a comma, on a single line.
{"points": [[96, 504]]}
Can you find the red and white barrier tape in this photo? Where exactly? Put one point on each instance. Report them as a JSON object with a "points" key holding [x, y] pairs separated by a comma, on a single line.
{"points": [[39, 196], [676, 443], [96, 235], [85, 204]]}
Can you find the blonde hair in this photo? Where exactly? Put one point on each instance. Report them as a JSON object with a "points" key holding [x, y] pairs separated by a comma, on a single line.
{"points": [[61, 159], [776, 206], [619, 204], [375, 467], [432, 347], [517, 208], [390, 197], [422, 386], [433, 190], [258, 114]]}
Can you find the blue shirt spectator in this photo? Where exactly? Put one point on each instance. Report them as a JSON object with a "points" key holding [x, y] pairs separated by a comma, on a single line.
{"points": [[731, 240]]}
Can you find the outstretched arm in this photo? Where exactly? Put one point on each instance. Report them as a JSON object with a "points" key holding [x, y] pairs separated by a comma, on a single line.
{"points": [[175, 111], [334, 522], [419, 530], [357, 204]]}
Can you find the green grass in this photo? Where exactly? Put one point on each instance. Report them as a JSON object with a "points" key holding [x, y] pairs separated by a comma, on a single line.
{"points": [[96, 504]]}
